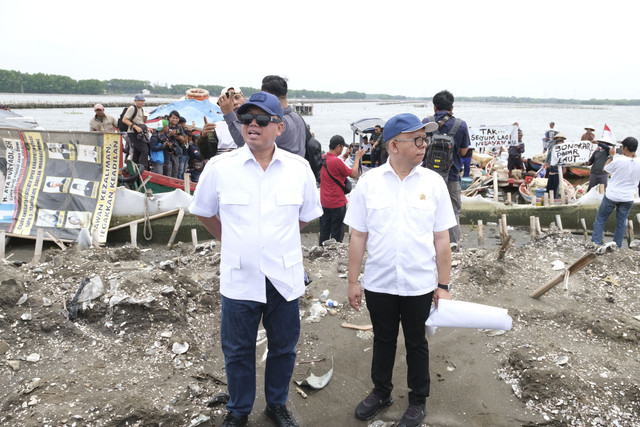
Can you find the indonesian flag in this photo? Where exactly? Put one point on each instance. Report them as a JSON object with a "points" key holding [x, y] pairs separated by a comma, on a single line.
{"points": [[609, 134]]}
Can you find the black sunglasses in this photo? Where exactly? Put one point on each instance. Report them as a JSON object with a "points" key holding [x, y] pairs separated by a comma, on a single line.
{"points": [[261, 119]]}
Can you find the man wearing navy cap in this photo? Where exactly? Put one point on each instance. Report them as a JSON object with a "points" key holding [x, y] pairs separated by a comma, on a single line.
{"points": [[258, 197], [401, 213]]}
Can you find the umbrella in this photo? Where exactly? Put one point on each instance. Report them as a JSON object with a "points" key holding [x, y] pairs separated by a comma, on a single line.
{"points": [[191, 109]]}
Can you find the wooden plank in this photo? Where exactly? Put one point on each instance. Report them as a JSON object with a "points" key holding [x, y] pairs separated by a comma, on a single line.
{"points": [[37, 254], [141, 220], [143, 184], [176, 227], [57, 241], [576, 266]]}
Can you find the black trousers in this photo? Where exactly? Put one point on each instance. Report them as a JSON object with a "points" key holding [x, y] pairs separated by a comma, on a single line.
{"points": [[332, 224], [387, 312]]}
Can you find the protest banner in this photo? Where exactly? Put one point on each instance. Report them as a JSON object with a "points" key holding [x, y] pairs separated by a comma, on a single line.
{"points": [[574, 152], [59, 181], [485, 138]]}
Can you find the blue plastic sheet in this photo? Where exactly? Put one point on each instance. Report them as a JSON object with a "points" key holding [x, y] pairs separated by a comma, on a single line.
{"points": [[192, 110]]}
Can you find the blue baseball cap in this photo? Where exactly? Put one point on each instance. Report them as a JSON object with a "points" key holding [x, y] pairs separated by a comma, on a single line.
{"points": [[139, 97], [265, 101], [403, 123]]}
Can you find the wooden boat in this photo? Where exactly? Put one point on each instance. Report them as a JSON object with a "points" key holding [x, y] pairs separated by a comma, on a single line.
{"points": [[525, 191], [580, 171], [504, 180], [155, 182]]}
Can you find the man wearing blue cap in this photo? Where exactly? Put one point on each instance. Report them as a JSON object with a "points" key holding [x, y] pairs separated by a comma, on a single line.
{"points": [[401, 213], [258, 197]]}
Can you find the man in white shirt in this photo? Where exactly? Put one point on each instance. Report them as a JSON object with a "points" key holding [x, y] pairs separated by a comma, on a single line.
{"points": [[255, 200], [625, 170], [401, 212]]}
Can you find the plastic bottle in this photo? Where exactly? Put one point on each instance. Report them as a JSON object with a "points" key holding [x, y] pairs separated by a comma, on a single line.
{"points": [[324, 295]]}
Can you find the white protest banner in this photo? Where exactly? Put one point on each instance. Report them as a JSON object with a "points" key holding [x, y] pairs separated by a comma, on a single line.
{"points": [[484, 138], [574, 152]]}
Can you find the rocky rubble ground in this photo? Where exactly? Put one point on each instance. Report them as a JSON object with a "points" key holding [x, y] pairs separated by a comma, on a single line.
{"points": [[139, 344]]}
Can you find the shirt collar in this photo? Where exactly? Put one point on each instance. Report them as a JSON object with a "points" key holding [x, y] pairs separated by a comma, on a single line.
{"points": [[246, 154], [386, 168]]}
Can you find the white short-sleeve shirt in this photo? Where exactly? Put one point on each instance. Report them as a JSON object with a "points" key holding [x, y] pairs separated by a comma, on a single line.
{"points": [[400, 218], [624, 179], [259, 211]]}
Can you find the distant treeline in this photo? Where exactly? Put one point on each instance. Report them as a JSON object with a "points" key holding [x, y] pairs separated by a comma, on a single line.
{"points": [[17, 82]]}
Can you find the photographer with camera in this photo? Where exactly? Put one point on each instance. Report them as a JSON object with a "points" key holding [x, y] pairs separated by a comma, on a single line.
{"points": [[173, 149]]}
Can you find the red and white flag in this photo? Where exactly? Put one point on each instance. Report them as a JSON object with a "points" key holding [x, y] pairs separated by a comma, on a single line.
{"points": [[607, 133]]}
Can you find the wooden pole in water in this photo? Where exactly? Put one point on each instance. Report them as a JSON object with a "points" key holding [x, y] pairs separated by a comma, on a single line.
{"points": [[495, 186], [194, 238], [583, 222], [2, 239], [38, 252], [133, 231], [538, 229], [480, 233], [559, 223], [532, 226], [563, 197]]}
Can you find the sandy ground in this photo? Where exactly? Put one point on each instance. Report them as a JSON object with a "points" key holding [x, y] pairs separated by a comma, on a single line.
{"points": [[144, 349]]}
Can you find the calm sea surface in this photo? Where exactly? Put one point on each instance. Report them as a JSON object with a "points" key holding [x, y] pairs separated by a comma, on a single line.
{"points": [[329, 119]]}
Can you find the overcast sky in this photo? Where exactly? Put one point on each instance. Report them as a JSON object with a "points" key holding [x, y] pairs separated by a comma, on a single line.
{"points": [[561, 49]]}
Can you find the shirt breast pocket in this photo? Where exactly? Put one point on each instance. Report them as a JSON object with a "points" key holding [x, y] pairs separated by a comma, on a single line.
{"points": [[421, 216], [288, 205], [379, 214], [234, 207]]}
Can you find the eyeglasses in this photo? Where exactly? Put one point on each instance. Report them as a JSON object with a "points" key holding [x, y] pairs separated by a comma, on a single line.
{"points": [[419, 141], [261, 119]]}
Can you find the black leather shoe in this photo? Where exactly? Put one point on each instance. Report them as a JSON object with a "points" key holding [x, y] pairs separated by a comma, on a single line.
{"points": [[370, 406], [281, 415], [233, 420], [413, 416]]}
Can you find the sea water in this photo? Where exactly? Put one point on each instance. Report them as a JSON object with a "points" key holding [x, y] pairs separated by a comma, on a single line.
{"points": [[335, 118]]}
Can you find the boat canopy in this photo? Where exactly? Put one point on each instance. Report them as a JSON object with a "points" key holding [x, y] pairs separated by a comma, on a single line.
{"points": [[366, 125], [191, 109], [9, 119]]}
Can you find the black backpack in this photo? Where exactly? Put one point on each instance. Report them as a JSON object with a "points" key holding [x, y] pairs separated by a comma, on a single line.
{"points": [[439, 154], [313, 154], [122, 127]]}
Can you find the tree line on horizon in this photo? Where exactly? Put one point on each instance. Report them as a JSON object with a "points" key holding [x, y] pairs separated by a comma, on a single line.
{"points": [[12, 81]]}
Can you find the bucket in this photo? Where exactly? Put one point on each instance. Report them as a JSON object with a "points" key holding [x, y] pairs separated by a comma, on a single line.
{"points": [[465, 182], [540, 192]]}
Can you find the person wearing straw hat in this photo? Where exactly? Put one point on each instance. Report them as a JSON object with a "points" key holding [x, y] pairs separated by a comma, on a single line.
{"points": [[598, 159], [588, 136], [551, 164], [625, 176]]}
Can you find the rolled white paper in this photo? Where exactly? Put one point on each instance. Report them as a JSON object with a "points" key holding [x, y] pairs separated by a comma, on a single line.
{"points": [[462, 314]]}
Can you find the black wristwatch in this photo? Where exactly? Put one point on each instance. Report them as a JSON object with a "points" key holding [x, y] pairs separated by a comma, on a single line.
{"points": [[446, 287]]}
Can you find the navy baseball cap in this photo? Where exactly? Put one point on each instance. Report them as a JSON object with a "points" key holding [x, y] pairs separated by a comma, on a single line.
{"points": [[265, 101], [139, 97], [403, 123]]}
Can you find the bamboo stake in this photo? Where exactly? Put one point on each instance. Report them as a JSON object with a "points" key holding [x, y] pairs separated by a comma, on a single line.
{"points": [[552, 198], [504, 247], [133, 231], [563, 197], [2, 240], [194, 238], [38, 251], [534, 200], [532, 226], [504, 225], [584, 228], [630, 232], [576, 266], [501, 228], [508, 202], [187, 183], [545, 199], [538, 228], [480, 233], [559, 223], [176, 227], [495, 186]]}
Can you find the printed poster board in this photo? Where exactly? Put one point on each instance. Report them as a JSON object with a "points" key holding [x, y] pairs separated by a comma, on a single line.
{"points": [[574, 152], [59, 181]]}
